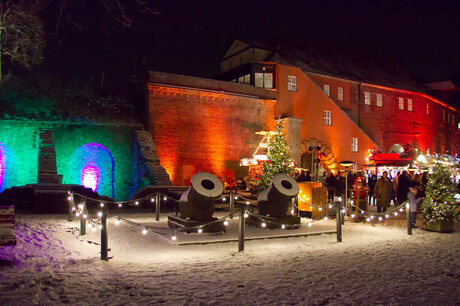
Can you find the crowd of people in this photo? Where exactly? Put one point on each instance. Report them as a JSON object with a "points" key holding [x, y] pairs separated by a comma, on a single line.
{"points": [[381, 192]]}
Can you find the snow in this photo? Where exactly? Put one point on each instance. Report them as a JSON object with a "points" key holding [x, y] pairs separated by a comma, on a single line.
{"points": [[375, 264]]}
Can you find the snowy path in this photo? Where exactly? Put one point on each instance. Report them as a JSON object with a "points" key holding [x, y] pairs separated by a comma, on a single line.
{"points": [[374, 265]]}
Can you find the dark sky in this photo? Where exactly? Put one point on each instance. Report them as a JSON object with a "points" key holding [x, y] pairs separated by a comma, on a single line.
{"points": [[189, 37]]}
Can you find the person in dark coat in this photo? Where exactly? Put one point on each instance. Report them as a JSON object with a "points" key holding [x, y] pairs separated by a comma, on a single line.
{"points": [[331, 187], [371, 184], [403, 187], [301, 177], [383, 192], [308, 177]]}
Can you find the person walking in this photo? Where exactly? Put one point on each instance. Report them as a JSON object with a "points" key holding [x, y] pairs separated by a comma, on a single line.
{"points": [[383, 192], [371, 185], [403, 187], [414, 200], [331, 187]]}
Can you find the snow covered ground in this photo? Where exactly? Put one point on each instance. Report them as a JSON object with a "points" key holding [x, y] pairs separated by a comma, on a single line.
{"points": [[375, 264]]}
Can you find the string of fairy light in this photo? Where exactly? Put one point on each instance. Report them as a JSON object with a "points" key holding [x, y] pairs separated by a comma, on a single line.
{"points": [[81, 210]]}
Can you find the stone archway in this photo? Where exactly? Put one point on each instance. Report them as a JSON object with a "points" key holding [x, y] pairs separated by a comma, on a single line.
{"points": [[323, 153]]}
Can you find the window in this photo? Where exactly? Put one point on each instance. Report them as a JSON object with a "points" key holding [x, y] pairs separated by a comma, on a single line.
{"points": [[401, 103], [448, 117], [444, 115], [427, 109], [247, 79], [367, 98], [379, 100], [292, 83], [339, 93], [409, 105], [327, 118], [264, 80], [354, 144], [327, 90]]}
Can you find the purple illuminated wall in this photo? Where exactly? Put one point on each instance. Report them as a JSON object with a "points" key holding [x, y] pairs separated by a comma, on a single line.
{"points": [[92, 166]]}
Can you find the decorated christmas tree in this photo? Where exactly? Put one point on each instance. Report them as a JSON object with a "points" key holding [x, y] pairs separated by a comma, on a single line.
{"points": [[278, 158], [439, 203]]}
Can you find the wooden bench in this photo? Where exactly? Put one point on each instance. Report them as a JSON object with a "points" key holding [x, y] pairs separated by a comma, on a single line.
{"points": [[7, 223]]}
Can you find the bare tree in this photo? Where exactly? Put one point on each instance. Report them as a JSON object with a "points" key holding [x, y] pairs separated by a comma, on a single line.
{"points": [[21, 33]]}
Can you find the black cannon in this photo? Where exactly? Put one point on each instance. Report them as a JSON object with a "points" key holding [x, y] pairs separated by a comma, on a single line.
{"points": [[196, 205], [275, 201]]}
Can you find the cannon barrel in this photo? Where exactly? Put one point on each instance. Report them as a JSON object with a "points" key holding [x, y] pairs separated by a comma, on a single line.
{"points": [[197, 203], [276, 199]]}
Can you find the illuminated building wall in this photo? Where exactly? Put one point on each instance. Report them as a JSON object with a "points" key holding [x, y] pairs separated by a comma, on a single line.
{"points": [[204, 129], [99, 155]]}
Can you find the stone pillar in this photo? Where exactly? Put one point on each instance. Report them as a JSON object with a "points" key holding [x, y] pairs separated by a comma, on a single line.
{"points": [[292, 128]]}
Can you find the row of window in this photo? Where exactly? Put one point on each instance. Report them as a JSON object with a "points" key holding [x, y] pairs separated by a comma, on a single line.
{"points": [[264, 80], [327, 91]]}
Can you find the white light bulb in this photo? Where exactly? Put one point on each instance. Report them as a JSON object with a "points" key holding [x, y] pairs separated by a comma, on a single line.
{"points": [[236, 198], [80, 206], [200, 230], [401, 209], [119, 205], [352, 202], [309, 224], [283, 226], [263, 224], [69, 198], [225, 222], [362, 212], [320, 209], [368, 219], [152, 200], [292, 211], [165, 198], [73, 208], [372, 217], [325, 218], [387, 216], [247, 202], [100, 226], [224, 199], [137, 203], [396, 214], [77, 214], [173, 238], [407, 205], [246, 215], [99, 214], [144, 231], [330, 206], [353, 216], [380, 218], [117, 222], [344, 211], [102, 204], [85, 216]]}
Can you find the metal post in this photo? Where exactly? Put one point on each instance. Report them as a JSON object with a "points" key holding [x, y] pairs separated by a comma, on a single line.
{"points": [[104, 235], [71, 205], [157, 207], [232, 204], [241, 231], [409, 223], [339, 222], [82, 219], [342, 215]]}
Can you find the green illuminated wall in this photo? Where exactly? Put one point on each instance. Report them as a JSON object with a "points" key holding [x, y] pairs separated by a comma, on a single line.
{"points": [[22, 139]]}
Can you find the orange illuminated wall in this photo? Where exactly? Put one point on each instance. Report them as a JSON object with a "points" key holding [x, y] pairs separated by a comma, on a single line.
{"points": [[309, 103], [200, 130]]}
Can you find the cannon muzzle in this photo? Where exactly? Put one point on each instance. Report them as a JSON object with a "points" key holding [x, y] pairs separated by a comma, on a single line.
{"points": [[197, 203], [276, 199]]}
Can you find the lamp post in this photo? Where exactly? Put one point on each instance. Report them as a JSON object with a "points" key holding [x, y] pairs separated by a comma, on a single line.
{"points": [[346, 164]]}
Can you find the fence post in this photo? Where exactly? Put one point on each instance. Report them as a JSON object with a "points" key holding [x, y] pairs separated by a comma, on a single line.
{"points": [[232, 204], [241, 231], [104, 235], [82, 219], [409, 223], [157, 207], [71, 205], [338, 221]]}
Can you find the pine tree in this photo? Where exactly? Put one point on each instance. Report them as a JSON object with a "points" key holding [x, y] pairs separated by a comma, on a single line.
{"points": [[278, 158], [439, 203]]}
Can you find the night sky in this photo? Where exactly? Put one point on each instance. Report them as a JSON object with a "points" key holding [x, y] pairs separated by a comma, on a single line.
{"points": [[190, 37]]}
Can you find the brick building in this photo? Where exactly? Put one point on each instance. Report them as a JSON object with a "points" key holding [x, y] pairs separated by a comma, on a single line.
{"points": [[340, 103]]}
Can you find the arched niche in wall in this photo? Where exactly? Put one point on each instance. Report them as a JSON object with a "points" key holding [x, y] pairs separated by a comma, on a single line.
{"points": [[92, 166], [7, 167]]}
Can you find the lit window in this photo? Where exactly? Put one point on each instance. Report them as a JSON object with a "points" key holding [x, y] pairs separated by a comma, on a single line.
{"points": [[241, 79], [292, 83], [379, 100], [354, 144], [264, 80], [327, 89], [247, 79], [409, 105], [367, 98], [401, 103], [327, 118], [427, 109], [339, 93]]}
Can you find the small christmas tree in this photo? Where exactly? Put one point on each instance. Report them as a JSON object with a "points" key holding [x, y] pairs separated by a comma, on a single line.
{"points": [[439, 203], [278, 158]]}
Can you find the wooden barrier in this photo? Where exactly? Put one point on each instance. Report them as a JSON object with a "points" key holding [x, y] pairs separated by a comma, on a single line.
{"points": [[7, 223], [319, 200]]}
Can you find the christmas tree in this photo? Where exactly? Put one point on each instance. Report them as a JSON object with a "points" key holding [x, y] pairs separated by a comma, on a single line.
{"points": [[439, 203], [278, 158]]}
